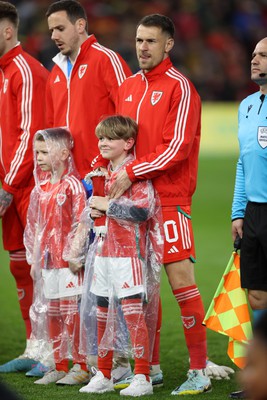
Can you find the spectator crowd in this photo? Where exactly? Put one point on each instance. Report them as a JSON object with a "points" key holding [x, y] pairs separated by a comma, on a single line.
{"points": [[214, 39]]}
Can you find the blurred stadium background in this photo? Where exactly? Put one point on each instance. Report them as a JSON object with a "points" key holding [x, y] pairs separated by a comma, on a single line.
{"points": [[214, 38]]}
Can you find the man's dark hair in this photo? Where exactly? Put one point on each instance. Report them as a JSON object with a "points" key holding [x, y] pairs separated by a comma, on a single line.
{"points": [[9, 11], [160, 21], [73, 9]]}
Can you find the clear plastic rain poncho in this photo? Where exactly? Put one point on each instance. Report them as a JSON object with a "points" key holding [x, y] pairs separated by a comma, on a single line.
{"points": [[56, 205], [122, 267]]}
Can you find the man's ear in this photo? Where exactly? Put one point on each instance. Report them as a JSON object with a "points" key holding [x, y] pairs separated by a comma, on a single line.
{"points": [[81, 25], [8, 32], [169, 45]]}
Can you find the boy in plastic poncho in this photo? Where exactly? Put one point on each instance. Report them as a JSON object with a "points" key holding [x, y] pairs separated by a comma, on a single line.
{"points": [[125, 267], [56, 204]]}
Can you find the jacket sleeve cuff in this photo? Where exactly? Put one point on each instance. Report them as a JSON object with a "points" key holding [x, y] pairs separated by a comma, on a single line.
{"points": [[9, 189], [234, 219], [130, 173], [99, 162]]}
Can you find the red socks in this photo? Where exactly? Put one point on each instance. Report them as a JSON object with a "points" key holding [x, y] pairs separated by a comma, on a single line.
{"points": [[192, 314], [134, 317], [63, 365], [71, 321], [55, 326], [104, 360], [135, 320], [20, 269], [63, 316]]}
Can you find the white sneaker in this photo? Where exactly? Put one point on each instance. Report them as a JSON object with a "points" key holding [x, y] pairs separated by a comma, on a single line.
{"points": [[98, 384], [196, 383], [121, 373], [138, 387], [51, 376], [75, 376]]}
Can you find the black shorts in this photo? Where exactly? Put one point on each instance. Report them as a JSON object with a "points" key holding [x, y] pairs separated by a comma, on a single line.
{"points": [[253, 259]]}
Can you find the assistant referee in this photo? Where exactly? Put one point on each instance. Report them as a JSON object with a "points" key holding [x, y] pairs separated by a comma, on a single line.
{"points": [[249, 209]]}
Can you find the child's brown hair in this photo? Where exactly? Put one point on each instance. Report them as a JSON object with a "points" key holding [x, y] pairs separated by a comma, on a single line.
{"points": [[117, 127]]}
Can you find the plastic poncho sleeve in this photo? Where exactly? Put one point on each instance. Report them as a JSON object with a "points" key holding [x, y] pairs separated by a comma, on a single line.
{"points": [[138, 207]]}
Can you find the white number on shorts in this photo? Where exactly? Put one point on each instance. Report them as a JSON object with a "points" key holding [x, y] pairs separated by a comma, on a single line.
{"points": [[171, 235]]}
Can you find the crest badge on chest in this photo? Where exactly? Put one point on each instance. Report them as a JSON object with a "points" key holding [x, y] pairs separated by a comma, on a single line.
{"points": [[82, 70], [155, 97], [262, 136], [61, 198]]}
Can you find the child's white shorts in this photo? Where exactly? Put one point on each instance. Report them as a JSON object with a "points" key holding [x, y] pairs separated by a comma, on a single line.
{"points": [[121, 276], [61, 282]]}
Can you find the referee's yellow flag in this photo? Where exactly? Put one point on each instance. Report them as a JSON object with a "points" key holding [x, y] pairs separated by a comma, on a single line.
{"points": [[228, 312]]}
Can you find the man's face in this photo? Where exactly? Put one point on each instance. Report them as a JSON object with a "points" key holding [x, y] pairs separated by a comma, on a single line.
{"points": [[152, 46], [259, 63], [64, 33], [4, 25]]}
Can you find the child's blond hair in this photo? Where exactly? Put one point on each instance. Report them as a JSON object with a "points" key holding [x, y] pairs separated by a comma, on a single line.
{"points": [[58, 135]]}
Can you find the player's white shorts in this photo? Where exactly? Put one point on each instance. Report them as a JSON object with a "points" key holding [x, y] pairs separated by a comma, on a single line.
{"points": [[121, 276], [61, 282]]}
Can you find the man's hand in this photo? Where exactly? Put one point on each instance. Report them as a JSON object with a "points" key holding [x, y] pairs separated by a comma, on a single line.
{"points": [[237, 228], [121, 184], [5, 201], [100, 203], [75, 267]]}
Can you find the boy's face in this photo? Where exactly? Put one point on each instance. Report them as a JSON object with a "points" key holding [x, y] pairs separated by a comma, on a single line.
{"points": [[114, 149], [43, 156], [253, 377], [49, 156]]}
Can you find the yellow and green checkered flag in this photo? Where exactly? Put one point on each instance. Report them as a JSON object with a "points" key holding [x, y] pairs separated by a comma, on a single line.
{"points": [[228, 312]]}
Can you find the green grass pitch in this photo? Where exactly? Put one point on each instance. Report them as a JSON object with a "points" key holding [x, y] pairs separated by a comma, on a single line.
{"points": [[211, 219]]}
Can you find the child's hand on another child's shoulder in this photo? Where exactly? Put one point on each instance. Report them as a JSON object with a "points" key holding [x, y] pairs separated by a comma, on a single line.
{"points": [[75, 267], [100, 203]]}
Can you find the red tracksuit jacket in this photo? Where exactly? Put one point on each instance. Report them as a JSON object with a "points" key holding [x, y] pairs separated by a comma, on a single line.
{"points": [[22, 114], [89, 94], [167, 109]]}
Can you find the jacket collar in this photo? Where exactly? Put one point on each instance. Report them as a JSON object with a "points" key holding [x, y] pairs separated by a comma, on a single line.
{"points": [[10, 55], [158, 70], [60, 59]]}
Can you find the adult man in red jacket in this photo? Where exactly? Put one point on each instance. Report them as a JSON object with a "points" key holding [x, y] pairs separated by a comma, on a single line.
{"points": [[84, 82], [167, 109], [21, 115]]}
